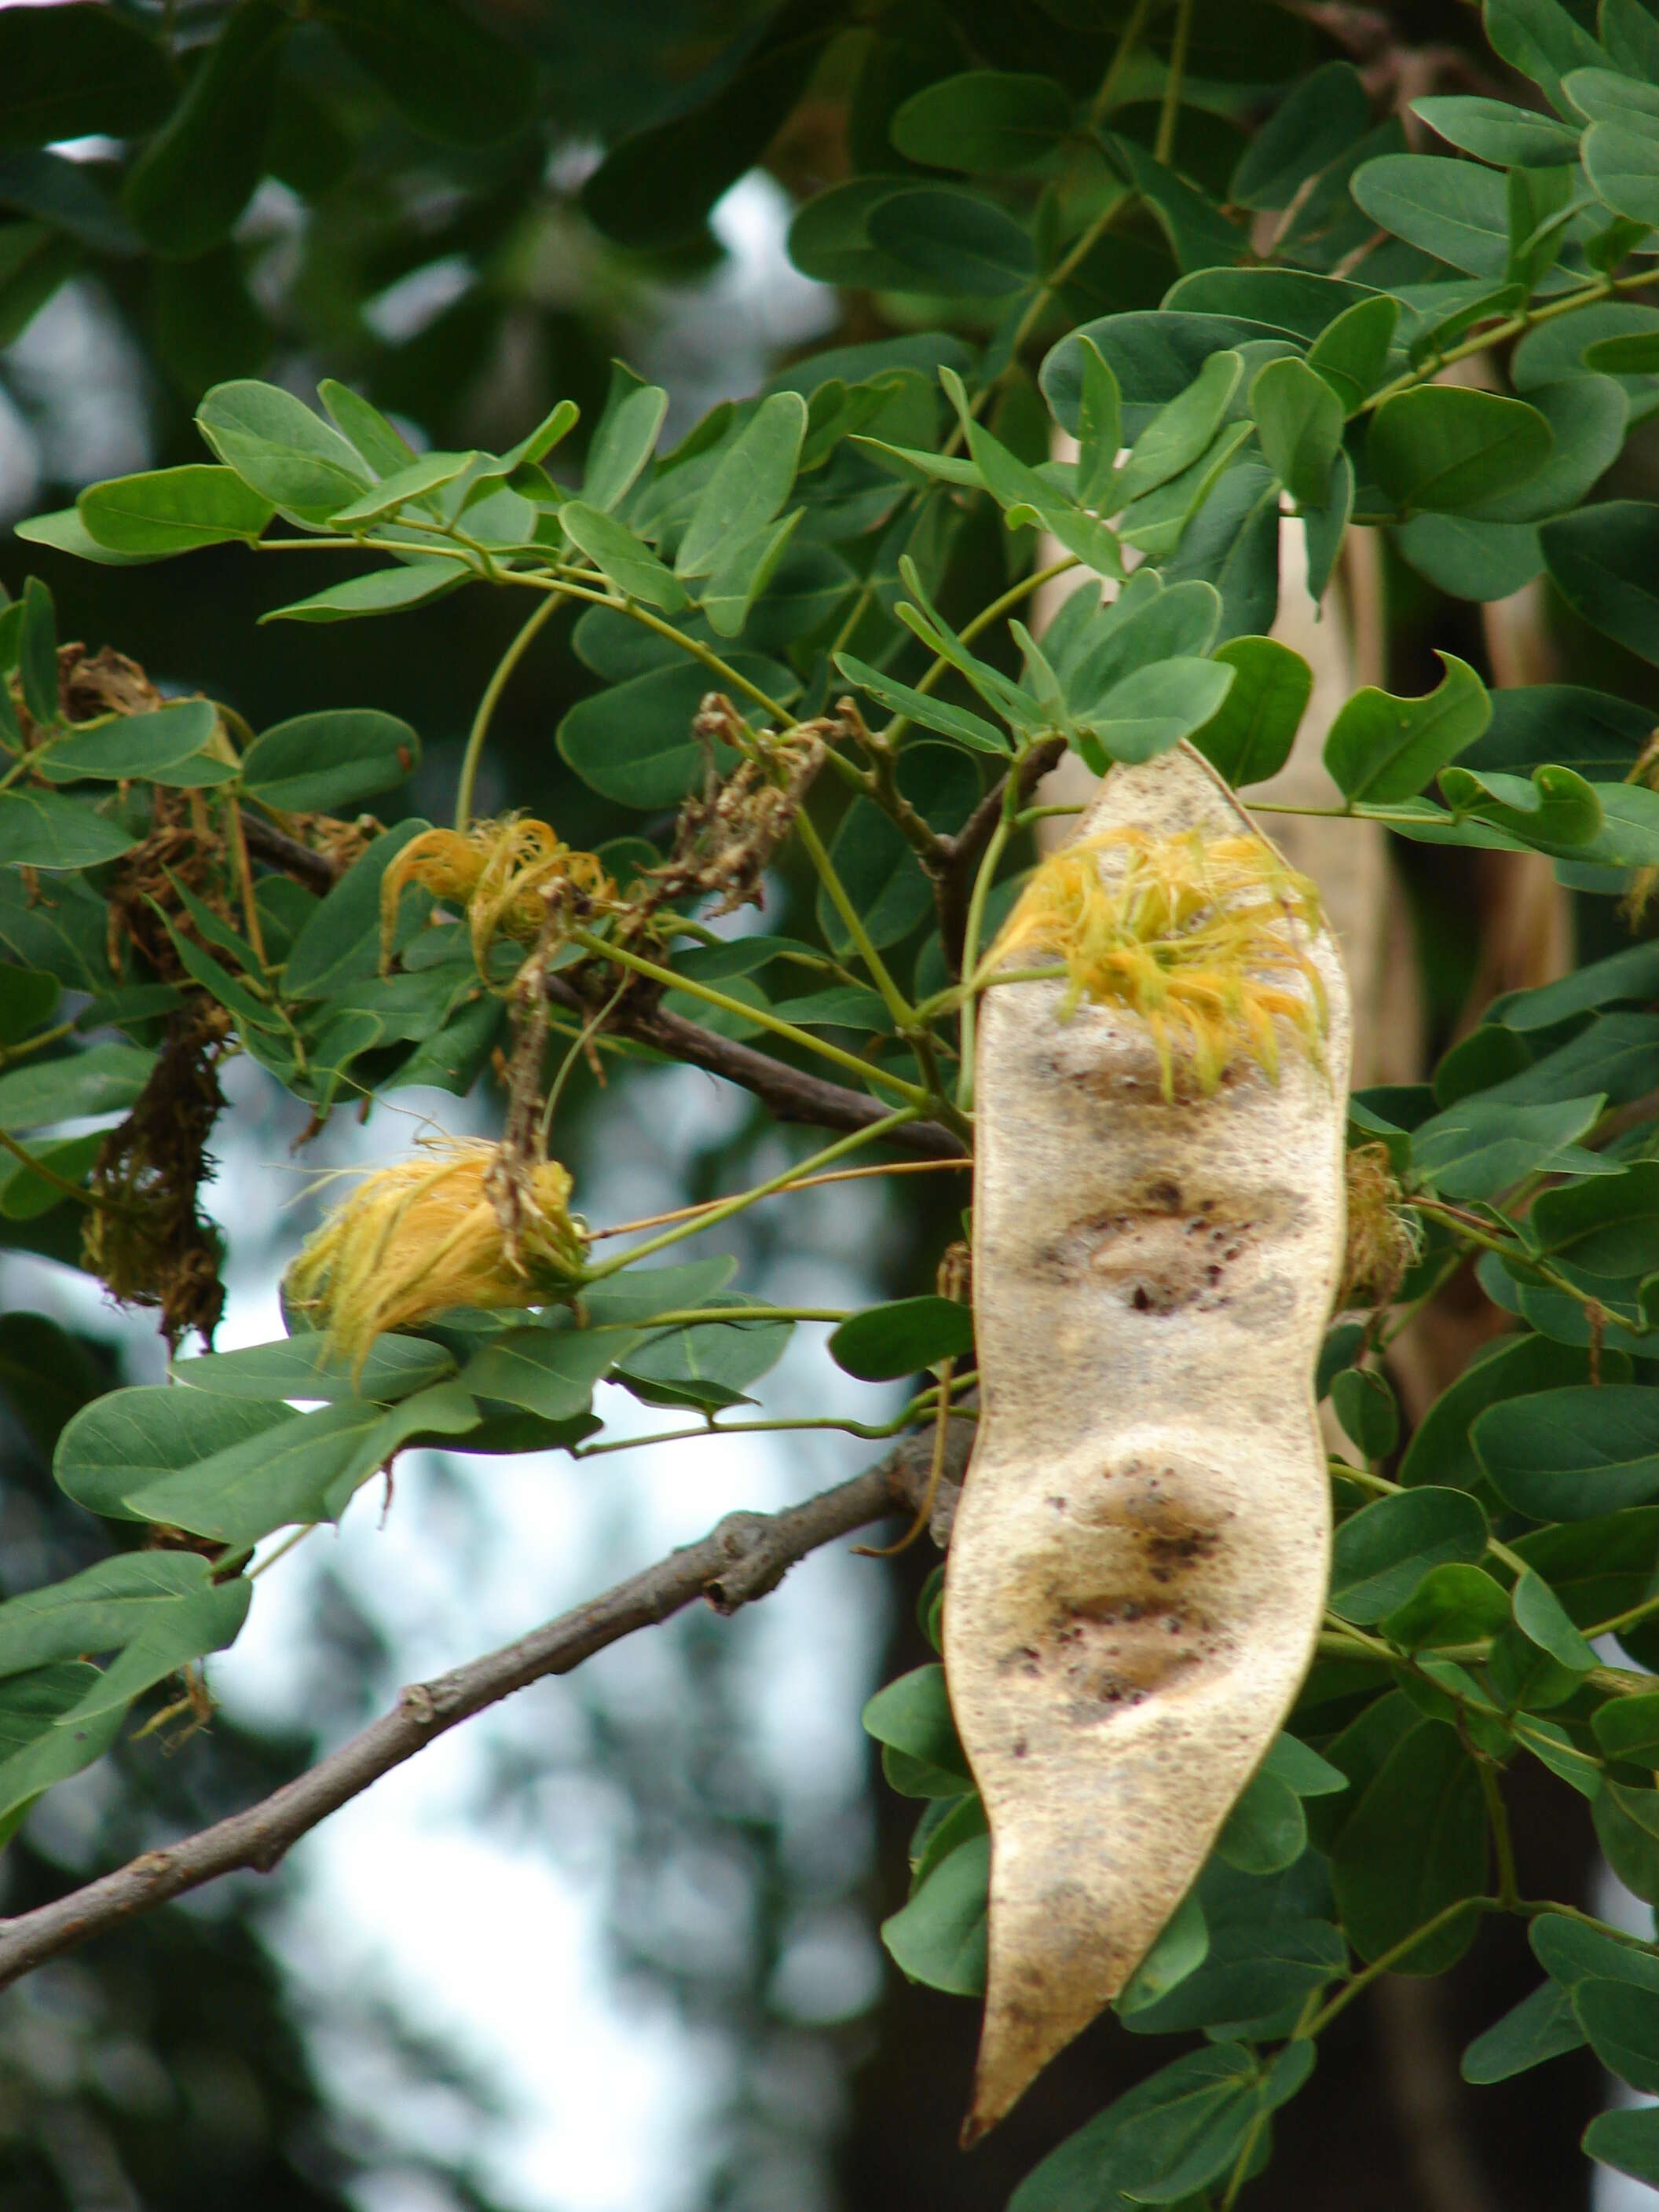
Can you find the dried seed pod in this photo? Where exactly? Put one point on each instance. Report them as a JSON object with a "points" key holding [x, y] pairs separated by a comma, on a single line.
{"points": [[1139, 1562]]}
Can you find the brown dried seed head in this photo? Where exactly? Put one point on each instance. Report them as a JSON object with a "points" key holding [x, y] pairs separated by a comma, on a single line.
{"points": [[1383, 1239]]}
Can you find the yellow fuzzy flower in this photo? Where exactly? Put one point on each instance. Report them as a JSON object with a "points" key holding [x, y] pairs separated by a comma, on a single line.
{"points": [[509, 875], [1205, 941], [430, 1232]]}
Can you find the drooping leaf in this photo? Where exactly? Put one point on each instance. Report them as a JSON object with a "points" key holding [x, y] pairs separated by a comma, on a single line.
{"points": [[1381, 749]]}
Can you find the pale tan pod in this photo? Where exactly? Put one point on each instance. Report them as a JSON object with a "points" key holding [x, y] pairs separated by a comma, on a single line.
{"points": [[1139, 1561]]}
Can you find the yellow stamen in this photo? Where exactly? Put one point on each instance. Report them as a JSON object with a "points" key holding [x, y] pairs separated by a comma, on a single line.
{"points": [[509, 875], [426, 1233], [1205, 942]]}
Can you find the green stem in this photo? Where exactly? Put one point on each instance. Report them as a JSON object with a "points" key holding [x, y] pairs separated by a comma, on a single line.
{"points": [[871, 1432], [710, 660], [696, 1316], [981, 621], [972, 932], [713, 1214], [1164, 145], [1604, 287], [21, 1153], [1362, 1981], [1497, 1821], [493, 691], [33, 1044], [903, 1013], [867, 1071], [1122, 54]]}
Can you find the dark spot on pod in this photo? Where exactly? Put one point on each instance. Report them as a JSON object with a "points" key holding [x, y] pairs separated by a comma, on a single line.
{"points": [[1020, 1747]]}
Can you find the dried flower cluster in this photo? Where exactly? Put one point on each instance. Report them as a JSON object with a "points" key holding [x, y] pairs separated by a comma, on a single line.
{"points": [[1205, 940], [510, 875]]}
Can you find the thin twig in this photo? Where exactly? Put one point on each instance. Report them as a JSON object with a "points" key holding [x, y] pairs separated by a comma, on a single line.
{"points": [[743, 1558]]}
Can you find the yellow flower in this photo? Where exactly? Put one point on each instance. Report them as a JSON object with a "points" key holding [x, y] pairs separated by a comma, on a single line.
{"points": [[509, 875], [1207, 941], [430, 1233]]}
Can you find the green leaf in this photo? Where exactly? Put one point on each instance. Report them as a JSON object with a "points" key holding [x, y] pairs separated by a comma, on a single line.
{"points": [[1233, 543], [627, 561], [1179, 431], [922, 1753], [883, 879], [157, 1610], [377, 592], [172, 510], [886, 1342], [969, 729], [1203, 2100], [1565, 1454], [1603, 562], [635, 1294], [953, 241], [1627, 1728], [105, 1078], [132, 744], [1440, 1451], [1453, 1604], [341, 938], [280, 450], [39, 829], [743, 573], [984, 121], [1138, 632], [1543, 1619], [1320, 116], [1452, 210], [1298, 419], [634, 742], [1543, 40], [408, 486], [1415, 1844], [1351, 353], [1382, 748], [128, 1438], [1385, 1550], [447, 76], [1201, 236], [1630, 37], [1622, 2024], [1555, 810], [1265, 1831], [1248, 737], [1189, 2122], [939, 1936], [1588, 416], [711, 1363], [381, 443], [1155, 707], [77, 72], [37, 654], [1623, 167], [748, 486], [198, 173], [34, 1751], [1364, 1401], [1452, 449], [328, 762], [1627, 2141], [1480, 1147], [1541, 2027], [548, 1371], [1468, 559], [1254, 1969], [625, 439], [1493, 130], [1100, 425], [1181, 1948], [304, 1367]]}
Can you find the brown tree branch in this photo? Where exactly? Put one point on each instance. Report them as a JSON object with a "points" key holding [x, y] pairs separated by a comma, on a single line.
{"points": [[953, 887], [788, 1093], [741, 1560]]}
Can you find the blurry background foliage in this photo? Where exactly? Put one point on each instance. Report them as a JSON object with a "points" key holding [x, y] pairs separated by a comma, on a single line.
{"points": [[464, 214]]}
